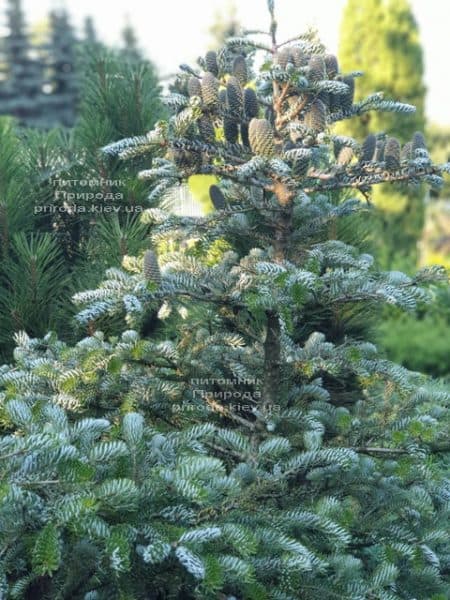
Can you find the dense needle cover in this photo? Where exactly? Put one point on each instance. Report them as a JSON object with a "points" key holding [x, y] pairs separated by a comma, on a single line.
{"points": [[238, 436]]}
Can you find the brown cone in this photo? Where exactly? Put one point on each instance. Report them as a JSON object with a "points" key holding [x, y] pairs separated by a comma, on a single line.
{"points": [[261, 137], [315, 117], [210, 89], [392, 153], [211, 62]]}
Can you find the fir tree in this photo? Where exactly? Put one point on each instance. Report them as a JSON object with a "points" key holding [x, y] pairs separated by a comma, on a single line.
{"points": [[21, 93], [90, 33], [64, 79], [384, 43], [258, 447]]}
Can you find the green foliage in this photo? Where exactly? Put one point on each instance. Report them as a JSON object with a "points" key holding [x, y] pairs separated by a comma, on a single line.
{"points": [[21, 94], [42, 82], [62, 102], [384, 43], [121, 98], [35, 284], [238, 436], [65, 211], [46, 552], [420, 342], [15, 187], [35, 289], [153, 510]]}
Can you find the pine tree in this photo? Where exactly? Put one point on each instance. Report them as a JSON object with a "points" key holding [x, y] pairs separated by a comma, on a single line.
{"points": [[34, 288], [258, 446], [21, 91], [46, 174], [89, 202], [384, 43]]}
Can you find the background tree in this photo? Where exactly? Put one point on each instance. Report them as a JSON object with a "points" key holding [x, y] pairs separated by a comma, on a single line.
{"points": [[90, 32], [385, 45], [21, 91], [225, 24], [64, 78], [130, 46], [40, 83]]}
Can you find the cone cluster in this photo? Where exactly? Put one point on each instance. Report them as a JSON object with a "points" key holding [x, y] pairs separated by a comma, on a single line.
{"points": [[293, 55], [376, 148]]}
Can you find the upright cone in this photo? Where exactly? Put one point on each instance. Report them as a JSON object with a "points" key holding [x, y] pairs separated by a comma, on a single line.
{"points": [[217, 197], [194, 87], [392, 153], [240, 69], [316, 116], [261, 137], [235, 100], [210, 89], [250, 103], [368, 148], [211, 62]]}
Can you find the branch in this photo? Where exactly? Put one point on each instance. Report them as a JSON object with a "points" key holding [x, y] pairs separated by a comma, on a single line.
{"points": [[236, 454], [43, 482], [357, 177], [204, 298], [15, 453], [373, 450], [217, 407], [229, 172], [292, 113]]}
